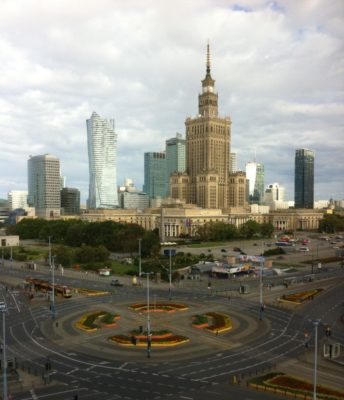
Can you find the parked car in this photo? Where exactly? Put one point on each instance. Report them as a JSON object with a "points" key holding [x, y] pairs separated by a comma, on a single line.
{"points": [[116, 282], [223, 250], [236, 249]]}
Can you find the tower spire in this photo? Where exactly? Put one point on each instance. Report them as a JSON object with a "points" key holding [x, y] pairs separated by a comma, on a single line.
{"points": [[208, 59]]}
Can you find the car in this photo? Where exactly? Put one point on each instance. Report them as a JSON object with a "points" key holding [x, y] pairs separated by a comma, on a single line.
{"points": [[304, 249], [224, 250], [243, 253], [116, 282], [236, 249]]}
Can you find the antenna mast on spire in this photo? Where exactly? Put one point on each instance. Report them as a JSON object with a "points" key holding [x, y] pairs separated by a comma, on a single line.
{"points": [[208, 58]]}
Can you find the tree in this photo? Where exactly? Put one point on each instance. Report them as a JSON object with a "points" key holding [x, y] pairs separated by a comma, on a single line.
{"points": [[331, 223], [249, 229], [266, 230], [27, 228]]}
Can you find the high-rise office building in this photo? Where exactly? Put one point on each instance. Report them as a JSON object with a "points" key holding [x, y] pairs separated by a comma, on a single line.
{"points": [[102, 158], [255, 176], [44, 185], [233, 163], [155, 182], [304, 178], [17, 199], [207, 181], [175, 156], [70, 201]]}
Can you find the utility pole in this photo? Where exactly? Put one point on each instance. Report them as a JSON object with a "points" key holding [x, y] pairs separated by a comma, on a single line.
{"points": [[3, 309]]}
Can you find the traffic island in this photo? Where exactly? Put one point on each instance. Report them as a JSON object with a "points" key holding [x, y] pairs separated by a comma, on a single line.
{"points": [[156, 339], [299, 297], [213, 322], [158, 307], [96, 320], [90, 292], [287, 385]]}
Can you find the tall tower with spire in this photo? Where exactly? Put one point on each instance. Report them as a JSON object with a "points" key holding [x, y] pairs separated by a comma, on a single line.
{"points": [[207, 181]]}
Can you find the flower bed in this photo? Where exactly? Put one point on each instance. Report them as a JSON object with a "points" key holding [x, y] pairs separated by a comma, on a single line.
{"points": [[200, 321], [166, 340], [300, 297], [220, 322], [157, 335], [95, 320], [293, 386], [158, 307]]}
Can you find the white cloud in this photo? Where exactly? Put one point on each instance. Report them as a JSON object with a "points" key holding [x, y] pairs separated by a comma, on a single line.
{"points": [[278, 68]]}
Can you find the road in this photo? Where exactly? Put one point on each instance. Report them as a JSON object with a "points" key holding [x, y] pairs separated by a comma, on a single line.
{"points": [[94, 369]]}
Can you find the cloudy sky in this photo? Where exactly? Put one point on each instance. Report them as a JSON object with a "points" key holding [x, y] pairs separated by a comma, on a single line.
{"points": [[278, 67]]}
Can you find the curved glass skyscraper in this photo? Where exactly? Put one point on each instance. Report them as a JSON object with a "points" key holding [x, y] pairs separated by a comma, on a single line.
{"points": [[102, 160]]}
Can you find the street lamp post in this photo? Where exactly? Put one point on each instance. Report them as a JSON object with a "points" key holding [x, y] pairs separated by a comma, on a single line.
{"points": [[2, 256], [11, 258], [49, 237], [316, 324], [139, 257], [3, 309], [261, 304], [170, 277], [148, 315], [53, 284]]}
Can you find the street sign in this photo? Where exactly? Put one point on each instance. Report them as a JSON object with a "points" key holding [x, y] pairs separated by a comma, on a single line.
{"points": [[2, 306]]}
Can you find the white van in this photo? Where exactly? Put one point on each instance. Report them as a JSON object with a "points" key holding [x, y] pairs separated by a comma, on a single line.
{"points": [[303, 249]]}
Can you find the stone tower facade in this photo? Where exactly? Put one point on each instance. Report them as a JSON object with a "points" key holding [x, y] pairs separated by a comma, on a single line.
{"points": [[207, 181]]}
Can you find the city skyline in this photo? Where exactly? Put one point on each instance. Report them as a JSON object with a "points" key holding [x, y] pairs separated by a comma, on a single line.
{"points": [[277, 70]]}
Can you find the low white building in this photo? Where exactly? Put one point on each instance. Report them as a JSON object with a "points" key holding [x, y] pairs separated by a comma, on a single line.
{"points": [[9, 241]]}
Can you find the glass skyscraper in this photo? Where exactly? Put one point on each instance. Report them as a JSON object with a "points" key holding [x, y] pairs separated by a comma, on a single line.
{"points": [[155, 184], [102, 159], [255, 175], [304, 178], [175, 156]]}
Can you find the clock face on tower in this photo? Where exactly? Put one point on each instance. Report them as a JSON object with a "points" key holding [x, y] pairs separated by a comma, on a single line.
{"points": [[208, 89]]}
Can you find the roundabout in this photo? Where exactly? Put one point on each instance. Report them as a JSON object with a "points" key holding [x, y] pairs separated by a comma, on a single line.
{"points": [[203, 366]]}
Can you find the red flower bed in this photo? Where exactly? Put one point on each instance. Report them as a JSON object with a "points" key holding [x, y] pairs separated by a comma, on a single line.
{"points": [[290, 382]]}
